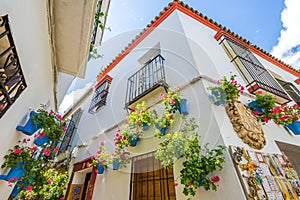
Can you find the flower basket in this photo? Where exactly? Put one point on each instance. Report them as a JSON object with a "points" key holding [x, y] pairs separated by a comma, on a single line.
{"points": [[14, 173], [294, 127], [133, 139], [116, 164], [254, 106], [182, 107], [100, 169], [39, 141], [30, 127]]}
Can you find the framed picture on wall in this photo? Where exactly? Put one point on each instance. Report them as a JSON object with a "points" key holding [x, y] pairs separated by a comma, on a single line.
{"points": [[75, 192]]}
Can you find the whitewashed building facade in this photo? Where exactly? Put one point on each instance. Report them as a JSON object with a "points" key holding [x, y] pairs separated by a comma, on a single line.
{"points": [[180, 47], [41, 51]]}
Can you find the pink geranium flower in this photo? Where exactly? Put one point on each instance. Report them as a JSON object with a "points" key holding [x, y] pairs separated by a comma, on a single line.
{"points": [[215, 179], [47, 152], [28, 188], [18, 151]]}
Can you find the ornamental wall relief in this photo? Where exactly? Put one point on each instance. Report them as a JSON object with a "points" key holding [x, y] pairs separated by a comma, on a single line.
{"points": [[245, 124]]}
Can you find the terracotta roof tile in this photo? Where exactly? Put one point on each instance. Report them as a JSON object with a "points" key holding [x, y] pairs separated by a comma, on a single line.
{"points": [[204, 17]]}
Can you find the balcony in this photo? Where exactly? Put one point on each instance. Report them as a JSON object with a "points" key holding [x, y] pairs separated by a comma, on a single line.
{"points": [[149, 79], [255, 74], [12, 82]]}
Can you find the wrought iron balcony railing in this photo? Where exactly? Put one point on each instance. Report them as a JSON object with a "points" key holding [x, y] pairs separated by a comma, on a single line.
{"points": [[148, 78], [12, 82], [255, 74]]}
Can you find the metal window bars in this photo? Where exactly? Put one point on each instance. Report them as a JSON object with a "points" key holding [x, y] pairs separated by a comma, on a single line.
{"points": [[99, 98], [12, 82], [255, 74]]}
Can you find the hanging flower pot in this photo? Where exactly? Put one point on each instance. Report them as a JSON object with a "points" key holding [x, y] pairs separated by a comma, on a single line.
{"points": [[100, 169], [145, 126], [116, 164], [182, 107], [162, 130], [218, 97], [133, 139], [14, 173], [40, 140], [294, 127], [255, 107], [30, 127]]}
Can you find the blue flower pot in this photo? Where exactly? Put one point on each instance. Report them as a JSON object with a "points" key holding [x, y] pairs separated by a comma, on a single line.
{"points": [[254, 106], [100, 169], [30, 126], [14, 173], [116, 164], [216, 99], [294, 127], [41, 141], [182, 107], [162, 130], [16, 190], [201, 181], [133, 139], [145, 126]]}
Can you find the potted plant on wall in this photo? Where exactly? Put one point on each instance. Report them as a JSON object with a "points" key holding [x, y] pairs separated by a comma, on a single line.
{"points": [[101, 158], [52, 126], [141, 117], [262, 106], [162, 123], [173, 102], [199, 165], [287, 116], [120, 157], [172, 147], [16, 159], [218, 95], [231, 87]]}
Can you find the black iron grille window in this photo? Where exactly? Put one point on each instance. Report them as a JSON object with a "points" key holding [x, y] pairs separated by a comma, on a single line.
{"points": [[150, 180], [12, 82], [99, 98], [71, 129], [149, 77], [252, 70]]}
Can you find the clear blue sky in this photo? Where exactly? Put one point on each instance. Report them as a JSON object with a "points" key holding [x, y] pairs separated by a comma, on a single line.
{"points": [[256, 20]]}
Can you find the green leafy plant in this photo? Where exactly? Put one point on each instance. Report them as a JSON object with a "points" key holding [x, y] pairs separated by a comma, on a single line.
{"points": [[52, 124], [266, 103], [171, 100], [231, 87], [171, 148], [140, 116], [174, 145], [19, 153], [285, 114], [54, 186], [199, 164], [94, 52]]}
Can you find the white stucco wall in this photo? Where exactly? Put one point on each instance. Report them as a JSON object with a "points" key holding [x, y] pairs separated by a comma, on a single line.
{"points": [[29, 26], [190, 50]]}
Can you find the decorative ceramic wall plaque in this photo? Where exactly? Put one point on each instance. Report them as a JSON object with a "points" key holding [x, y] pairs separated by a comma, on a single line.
{"points": [[245, 124]]}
